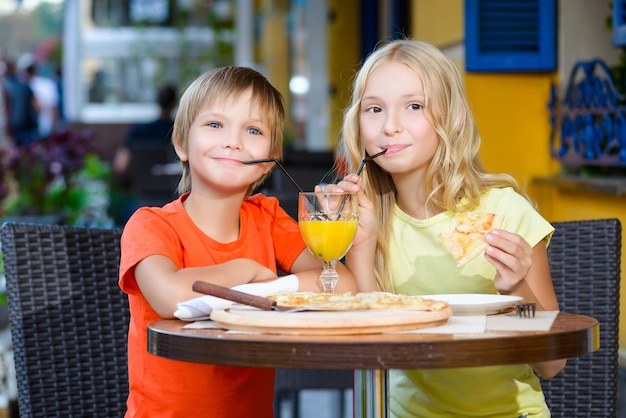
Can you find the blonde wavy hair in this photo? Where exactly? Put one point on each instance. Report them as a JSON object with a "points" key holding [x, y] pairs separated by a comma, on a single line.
{"points": [[221, 84], [455, 178]]}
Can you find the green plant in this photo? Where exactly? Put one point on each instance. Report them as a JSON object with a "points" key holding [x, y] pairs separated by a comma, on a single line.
{"points": [[53, 176]]}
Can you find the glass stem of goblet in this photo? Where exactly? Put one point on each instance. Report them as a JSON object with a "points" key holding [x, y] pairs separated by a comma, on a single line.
{"points": [[329, 276]]}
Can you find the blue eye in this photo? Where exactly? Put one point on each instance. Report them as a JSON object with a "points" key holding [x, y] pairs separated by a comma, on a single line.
{"points": [[214, 124], [254, 131]]}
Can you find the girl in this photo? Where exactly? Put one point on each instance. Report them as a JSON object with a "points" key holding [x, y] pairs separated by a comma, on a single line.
{"points": [[216, 232], [408, 100]]}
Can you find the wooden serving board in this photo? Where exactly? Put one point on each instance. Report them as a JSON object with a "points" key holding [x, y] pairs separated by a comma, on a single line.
{"points": [[244, 318]]}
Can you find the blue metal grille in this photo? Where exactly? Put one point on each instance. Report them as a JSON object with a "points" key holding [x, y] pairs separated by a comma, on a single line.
{"points": [[589, 126]]}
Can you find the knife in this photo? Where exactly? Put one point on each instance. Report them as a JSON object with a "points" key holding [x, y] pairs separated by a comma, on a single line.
{"points": [[260, 302], [264, 303]]}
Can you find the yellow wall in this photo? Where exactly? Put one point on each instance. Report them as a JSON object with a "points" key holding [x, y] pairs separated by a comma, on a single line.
{"points": [[438, 22], [344, 53], [270, 52], [512, 116]]}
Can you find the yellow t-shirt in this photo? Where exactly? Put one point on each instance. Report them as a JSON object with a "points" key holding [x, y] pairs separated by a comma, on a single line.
{"points": [[421, 264]]}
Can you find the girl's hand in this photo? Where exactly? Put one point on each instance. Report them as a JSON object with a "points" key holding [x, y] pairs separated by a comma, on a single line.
{"points": [[511, 255], [360, 258], [367, 219]]}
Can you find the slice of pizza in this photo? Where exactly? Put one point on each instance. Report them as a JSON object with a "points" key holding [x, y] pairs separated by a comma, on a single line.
{"points": [[467, 240]]}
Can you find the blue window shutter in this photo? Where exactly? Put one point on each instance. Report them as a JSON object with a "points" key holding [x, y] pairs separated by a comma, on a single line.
{"points": [[512, 35], [619, 23]]}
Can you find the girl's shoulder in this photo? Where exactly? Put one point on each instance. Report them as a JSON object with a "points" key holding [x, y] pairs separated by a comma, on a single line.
{"points": [[502, 196], [519, 214]]}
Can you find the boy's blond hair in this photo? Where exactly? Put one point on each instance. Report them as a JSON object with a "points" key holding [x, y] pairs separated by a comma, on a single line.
{"points": [[456, 177], [221, 84]]}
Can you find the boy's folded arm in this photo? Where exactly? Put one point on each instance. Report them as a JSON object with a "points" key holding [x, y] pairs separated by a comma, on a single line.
{"points": [[201, 307], [164, 286]]}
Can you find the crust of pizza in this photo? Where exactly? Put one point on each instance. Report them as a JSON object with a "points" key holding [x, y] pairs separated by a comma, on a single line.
{"points": [[358, 301], [467, 240]]}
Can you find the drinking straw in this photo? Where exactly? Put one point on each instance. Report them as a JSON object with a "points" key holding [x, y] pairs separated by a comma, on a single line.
{"points": [[284, 170], [358, 172], [279, 164], [366, 159]]}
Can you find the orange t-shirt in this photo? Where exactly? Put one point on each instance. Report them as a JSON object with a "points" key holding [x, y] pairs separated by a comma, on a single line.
{"points": [[161, 387]]}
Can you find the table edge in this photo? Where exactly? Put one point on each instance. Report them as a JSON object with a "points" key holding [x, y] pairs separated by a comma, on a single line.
{"points": [[166, 339]]}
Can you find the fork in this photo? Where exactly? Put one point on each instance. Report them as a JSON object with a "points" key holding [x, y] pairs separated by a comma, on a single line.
{"points": [[526, 310]]}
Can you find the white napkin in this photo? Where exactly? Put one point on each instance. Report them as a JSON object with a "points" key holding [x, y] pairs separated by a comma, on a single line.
{"points": [[201, 307], [206, 324]]}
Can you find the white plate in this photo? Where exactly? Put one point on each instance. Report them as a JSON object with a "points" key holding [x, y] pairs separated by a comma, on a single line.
{"points": [[476, 304]]}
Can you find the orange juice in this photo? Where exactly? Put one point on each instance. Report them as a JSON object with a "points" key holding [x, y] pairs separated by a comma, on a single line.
{"points": [[328, 239]]}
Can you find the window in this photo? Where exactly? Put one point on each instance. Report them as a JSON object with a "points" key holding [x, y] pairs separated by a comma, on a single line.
{"points": [[513, 35], [117, 53]]}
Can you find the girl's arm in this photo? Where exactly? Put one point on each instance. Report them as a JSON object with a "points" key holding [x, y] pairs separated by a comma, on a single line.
{"points": [[521, 269], [524, 271], [360, 260], [163, 285], [360, 257]]}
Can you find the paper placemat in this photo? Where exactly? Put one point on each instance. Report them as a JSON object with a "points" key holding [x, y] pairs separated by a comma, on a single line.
{"points": [[512, 322], [466, 324], [470, 324], [463, 324]]}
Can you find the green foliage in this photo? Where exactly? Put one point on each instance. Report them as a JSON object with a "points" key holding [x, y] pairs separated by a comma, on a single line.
{"points": [[57, 175]]}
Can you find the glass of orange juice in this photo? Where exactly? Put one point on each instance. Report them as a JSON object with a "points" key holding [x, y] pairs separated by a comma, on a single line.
{"points": [[328, 224]]}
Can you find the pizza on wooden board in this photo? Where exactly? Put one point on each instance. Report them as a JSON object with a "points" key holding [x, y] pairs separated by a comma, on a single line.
{"points": [[358, 301], [467, 239]]}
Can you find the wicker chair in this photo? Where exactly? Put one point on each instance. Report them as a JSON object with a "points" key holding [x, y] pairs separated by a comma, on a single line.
{"points": [[68, 319], [585, 266]]}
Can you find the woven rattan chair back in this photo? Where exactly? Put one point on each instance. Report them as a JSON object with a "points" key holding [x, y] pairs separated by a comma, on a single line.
{"points": [[585, 265], [68, 320]]}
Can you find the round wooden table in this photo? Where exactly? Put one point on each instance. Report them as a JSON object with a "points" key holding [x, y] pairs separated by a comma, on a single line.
{"points": [[371, 356]]}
